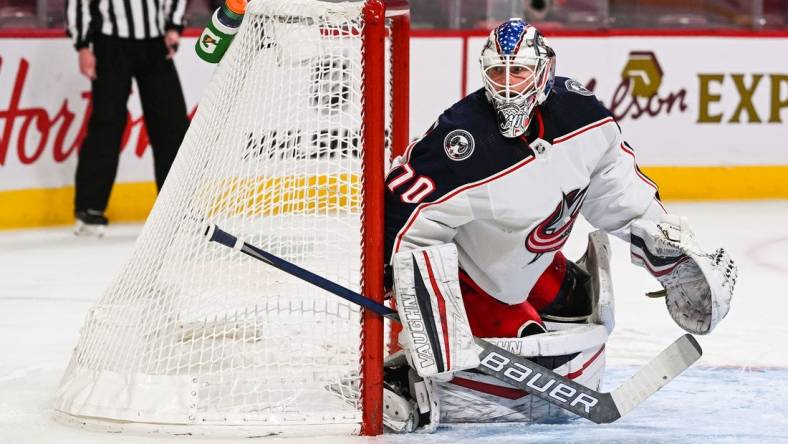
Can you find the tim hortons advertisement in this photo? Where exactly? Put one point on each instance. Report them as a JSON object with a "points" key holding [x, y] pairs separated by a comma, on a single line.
{"points": [[681, 101], [44, 107]]}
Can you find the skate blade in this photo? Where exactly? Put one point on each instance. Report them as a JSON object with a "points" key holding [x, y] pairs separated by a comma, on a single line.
{"points": [[87, 230]]}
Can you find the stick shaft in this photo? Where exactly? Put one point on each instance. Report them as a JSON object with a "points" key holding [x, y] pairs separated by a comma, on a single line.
{"points": [[518, 371], [216, 234]]}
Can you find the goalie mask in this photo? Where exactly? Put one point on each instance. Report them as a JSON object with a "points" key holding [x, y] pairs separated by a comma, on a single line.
{"points": [[518, 68]]}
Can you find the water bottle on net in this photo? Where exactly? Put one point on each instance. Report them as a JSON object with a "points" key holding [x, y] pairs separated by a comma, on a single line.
{"points": [[217, 36]]}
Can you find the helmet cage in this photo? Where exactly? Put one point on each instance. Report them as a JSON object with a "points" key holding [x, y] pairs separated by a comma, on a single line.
{"points": [[516, 83]]}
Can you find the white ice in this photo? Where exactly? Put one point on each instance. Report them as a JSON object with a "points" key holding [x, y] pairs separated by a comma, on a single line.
{"points": [[735, 393]]}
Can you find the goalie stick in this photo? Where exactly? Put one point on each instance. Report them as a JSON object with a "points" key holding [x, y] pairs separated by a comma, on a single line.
{"points": [[520, 372]]}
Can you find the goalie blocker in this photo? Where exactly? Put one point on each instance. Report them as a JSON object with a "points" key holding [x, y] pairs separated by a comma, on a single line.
{"points": [[443, 387]]}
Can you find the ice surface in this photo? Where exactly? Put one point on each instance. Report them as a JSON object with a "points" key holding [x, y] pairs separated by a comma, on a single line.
{"points": [[736, 393]]}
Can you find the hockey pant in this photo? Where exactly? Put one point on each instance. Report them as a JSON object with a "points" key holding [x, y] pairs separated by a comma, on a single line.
{"points": [[560, 294]]}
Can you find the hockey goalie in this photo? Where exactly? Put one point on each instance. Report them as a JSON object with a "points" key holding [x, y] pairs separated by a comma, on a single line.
{"points": [[477, 212]]}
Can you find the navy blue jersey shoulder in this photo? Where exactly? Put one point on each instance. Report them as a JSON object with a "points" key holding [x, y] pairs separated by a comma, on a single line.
{"points": [[484, 150], [569, 107], [463, 147]]}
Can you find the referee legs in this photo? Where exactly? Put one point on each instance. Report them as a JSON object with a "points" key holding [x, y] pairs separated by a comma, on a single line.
{"points": [[163, 105], [97, 162]]}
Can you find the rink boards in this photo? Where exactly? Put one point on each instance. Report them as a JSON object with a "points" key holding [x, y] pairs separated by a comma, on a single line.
{"points": [[703, 124]]}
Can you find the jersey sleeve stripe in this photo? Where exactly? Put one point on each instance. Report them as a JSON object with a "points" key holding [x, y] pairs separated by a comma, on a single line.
{"points": [[659, 202], [642, 176], [581, 130]]}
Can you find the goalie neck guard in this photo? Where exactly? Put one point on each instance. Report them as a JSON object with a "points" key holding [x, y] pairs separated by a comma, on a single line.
{"points": [[518, 68]]}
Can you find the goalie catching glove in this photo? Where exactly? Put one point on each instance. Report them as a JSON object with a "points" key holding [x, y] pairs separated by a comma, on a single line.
{"points": [[435, 335], [698, 285]]}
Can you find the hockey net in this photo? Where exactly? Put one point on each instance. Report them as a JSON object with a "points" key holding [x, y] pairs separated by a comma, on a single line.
{"points": [[287, 152]]}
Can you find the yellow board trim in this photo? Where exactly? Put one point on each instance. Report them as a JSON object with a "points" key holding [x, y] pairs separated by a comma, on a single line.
{"points": [[270, 196], [131, 202], [720, 183], [40, 207]]}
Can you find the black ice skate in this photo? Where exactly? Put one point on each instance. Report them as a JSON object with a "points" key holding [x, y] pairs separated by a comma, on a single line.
{"points": [[573, 303], [90, 223]]}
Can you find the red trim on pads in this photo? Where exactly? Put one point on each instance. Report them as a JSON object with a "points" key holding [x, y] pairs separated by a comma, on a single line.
{"points": [[441, 309]]}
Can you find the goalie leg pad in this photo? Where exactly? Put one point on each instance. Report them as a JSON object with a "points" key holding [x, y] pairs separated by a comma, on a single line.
{"points": [[472, 397], [435, 330], [596, 262]]}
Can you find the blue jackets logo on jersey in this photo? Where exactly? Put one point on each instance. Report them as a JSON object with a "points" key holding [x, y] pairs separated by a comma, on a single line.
{"points": [[459, 144], [552, 233]]}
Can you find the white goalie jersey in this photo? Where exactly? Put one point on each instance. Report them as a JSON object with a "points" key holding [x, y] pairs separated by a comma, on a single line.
{"points": [[509, 204]]}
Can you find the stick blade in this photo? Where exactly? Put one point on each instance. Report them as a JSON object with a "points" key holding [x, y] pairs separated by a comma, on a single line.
{"points": [[656, 374]]}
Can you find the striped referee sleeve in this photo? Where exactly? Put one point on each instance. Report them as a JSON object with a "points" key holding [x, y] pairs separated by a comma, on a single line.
{"points": [[174, 14], [78, 22]]}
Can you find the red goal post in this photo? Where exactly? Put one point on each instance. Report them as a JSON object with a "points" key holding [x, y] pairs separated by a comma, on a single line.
{"points": [[397, 11]]}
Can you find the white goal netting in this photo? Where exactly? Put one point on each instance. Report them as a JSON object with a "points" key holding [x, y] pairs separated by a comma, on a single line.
{"points": [[194, 333]]}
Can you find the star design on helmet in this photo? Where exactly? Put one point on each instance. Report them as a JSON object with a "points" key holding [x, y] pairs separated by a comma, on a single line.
{"points": [[510, 35]]}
